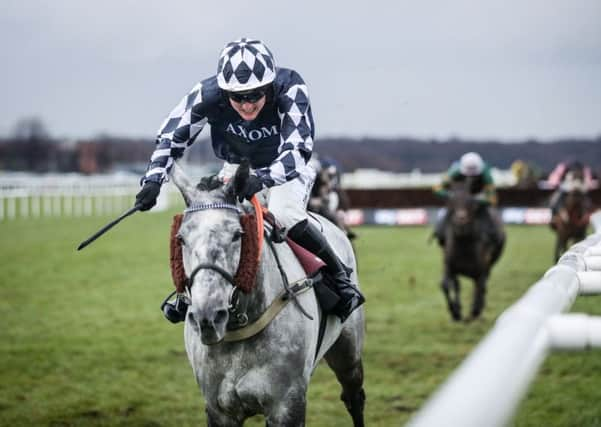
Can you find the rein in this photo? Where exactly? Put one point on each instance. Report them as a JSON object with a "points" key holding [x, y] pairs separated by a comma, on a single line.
{"points": [[206, 266]]}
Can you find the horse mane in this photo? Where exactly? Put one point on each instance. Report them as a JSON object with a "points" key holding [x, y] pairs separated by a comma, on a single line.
{"points": [[209, 183]]}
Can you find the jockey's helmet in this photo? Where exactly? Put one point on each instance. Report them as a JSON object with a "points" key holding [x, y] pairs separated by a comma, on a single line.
{"points": [[471, 164], [245, 64]]}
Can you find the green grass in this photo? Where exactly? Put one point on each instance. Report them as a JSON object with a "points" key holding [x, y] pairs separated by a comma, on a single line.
{"points": [[83, 343]]}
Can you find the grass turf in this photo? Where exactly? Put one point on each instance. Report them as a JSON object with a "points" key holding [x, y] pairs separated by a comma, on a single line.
{"points": [[83, 343]]}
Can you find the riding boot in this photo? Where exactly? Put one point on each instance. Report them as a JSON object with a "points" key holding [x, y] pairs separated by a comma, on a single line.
{"points": [[310, 238], [556, 201], [175, 311], [439, 228]]}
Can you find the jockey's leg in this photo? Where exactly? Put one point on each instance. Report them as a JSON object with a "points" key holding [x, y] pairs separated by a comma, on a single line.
{"points": [[556, 201], [439, 228], [493, 225], [309, 237], [288, 204]]}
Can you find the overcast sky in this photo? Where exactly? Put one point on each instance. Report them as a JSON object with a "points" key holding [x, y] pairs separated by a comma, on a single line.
{"points": [[503, 69]]}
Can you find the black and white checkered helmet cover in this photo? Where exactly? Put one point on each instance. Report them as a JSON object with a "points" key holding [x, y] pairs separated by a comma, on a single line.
{"points": [[245, 64]]}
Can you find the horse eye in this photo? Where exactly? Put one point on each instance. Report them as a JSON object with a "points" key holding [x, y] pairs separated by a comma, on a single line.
{"points": [[180, 240], [237, 235]]}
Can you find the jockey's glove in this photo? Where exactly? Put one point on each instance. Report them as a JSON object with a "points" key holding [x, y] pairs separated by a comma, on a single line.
{"points": [[482, 199], [147, 197], [252, 185]]}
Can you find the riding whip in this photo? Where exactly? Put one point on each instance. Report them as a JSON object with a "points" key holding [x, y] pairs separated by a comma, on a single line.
{"points": [[108, 227]]}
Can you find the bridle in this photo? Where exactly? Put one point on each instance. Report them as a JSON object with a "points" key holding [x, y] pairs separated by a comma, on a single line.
{"points": [[233, 299], [236, 306]]}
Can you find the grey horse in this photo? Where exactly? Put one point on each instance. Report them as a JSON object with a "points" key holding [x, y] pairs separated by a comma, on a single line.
{"points": [[268, 373]]}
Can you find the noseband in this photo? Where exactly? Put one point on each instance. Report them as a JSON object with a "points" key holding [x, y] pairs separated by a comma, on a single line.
{"points": [[206, 266]]}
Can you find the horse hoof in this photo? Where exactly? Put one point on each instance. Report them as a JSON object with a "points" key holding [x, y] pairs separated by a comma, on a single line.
{"points": [[476, 317]]}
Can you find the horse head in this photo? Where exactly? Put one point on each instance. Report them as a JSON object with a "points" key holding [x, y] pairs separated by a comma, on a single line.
{"points": [[210, 234], [462, 208], [574, 212]]}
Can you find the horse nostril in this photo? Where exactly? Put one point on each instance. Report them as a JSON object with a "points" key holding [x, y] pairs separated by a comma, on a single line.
{"points": [[220, 316], [198, 319]]}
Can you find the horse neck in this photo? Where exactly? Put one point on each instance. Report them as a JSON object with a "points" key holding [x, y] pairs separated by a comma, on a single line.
{"points": [[467, 231], [574, 203], [267, 284]]}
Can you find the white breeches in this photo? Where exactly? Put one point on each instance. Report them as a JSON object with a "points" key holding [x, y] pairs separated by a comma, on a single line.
{"points": [[288, 201]]}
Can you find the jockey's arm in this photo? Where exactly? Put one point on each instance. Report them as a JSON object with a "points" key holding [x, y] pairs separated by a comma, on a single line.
{"points": [[442, 189], [178, 131], [296, 134], [488, 195], [344, 203]]}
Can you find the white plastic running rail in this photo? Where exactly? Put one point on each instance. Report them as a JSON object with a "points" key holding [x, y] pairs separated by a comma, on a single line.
{"points": [[488, 386]]}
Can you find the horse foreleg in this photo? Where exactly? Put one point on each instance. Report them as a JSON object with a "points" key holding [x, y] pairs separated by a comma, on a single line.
{"points": [[217, 419], [353, 394], [479, 299], [450, 288], [559, 247], [344, 360], [289, 410]]}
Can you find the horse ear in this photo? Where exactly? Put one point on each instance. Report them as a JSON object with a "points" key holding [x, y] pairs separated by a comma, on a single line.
{"points": [[182, 182], [242, 174], [237, 184]]}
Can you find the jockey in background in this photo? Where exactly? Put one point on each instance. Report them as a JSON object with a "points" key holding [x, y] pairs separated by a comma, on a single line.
{"points": [[568, 178], [472, 169], [259, 112], [328, 199]]}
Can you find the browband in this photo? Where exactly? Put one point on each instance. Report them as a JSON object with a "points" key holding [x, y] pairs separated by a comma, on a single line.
{"points": [[195, 207]]}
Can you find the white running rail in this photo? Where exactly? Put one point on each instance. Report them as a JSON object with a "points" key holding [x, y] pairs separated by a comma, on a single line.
{"points": [[33, 196], [488, 386]]}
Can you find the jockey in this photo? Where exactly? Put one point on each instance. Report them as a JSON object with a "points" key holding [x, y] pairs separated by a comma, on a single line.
{"points": [[328, 198], [471, 167], [262, 113], [572, 177]]}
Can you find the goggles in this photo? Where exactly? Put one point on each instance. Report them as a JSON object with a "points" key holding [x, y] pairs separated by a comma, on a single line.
{"points": [[252, 96]]}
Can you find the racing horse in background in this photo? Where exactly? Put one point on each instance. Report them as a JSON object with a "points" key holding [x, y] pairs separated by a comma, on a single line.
{"points": [[469, 248], [571, 217], [268, 372]]}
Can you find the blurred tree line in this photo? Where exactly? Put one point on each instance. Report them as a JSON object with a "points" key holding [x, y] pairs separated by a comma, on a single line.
{"points": [[32, 148], [407, 154]]}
